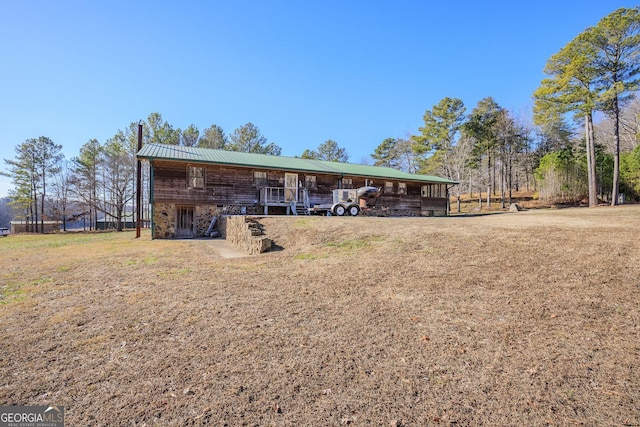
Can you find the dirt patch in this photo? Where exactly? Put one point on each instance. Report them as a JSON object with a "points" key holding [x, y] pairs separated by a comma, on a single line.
{"points": [[527, 318], [225, 249]]}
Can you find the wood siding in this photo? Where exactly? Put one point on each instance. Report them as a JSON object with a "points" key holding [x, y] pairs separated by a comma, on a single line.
{"points": [[234, 186], [223, 185]]}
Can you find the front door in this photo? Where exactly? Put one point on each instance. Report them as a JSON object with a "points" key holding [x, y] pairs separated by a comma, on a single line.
{"points": [[290, 187], [184, 222]]}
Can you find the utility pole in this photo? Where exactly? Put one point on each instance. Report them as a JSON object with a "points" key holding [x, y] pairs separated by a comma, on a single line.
{"points": [[139, 184]]}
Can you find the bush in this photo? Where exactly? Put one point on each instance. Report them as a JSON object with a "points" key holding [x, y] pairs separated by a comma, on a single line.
{"points": [[560, 177], [630, 174]]}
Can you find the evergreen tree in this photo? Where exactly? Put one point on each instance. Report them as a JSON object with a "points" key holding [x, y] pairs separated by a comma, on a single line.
{"points": [[190, 136], [329, 151], [213, 137], [248, 139], [387, 154], [571, 88], [441, 128], [616, 42], [23, 171], [480, 126], [48, 157], [161, 132]]}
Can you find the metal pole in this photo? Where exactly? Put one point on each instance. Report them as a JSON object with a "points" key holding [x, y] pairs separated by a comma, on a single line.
{"points": [[139, 185]]}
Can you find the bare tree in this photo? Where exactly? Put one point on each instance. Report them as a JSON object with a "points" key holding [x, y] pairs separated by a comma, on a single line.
{"points": [[458, 167], [117, 169], [85, 182], [59, 203]]}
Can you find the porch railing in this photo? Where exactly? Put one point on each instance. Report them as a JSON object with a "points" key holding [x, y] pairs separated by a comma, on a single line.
{"points": [[277, 195]]}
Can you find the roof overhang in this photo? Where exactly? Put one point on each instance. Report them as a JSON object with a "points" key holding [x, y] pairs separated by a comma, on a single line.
{"points": [[176, 153]]}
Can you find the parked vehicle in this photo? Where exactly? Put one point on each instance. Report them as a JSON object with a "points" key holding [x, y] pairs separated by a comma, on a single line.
{"points": [[4, 232], [346, 201]]}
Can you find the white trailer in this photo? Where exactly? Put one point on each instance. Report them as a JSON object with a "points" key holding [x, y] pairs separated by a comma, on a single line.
{"points": [[346, 201]]}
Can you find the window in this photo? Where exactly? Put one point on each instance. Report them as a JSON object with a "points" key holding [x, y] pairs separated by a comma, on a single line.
{"points": [[310, 182], [260, 178], [345, 183], [195, 177], [434, 190], [402, 188], [368, 183], [388, 187]]}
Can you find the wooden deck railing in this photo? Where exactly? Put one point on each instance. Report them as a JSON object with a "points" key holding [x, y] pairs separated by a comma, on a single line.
{"points": [[276, 195]]}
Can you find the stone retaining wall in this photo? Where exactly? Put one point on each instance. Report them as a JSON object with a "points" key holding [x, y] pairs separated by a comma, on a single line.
{"points": [[164, 222], [245, 233]]}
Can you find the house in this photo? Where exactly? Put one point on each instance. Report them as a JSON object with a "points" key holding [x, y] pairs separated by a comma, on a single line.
{"points": [[31, 227], [103, 223], [189, 186]]}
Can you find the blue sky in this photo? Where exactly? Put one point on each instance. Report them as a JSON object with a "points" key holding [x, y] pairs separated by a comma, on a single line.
{"points": [[356, 72]]}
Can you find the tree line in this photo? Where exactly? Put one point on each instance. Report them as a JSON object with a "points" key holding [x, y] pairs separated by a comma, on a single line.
{"points": [[564, 153], [99, 183], [596, 72]]}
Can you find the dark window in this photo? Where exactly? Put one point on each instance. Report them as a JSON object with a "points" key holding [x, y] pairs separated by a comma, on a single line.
{"points": [[434, 190], [260, 179], [310, 182], [345, 183], [388, 187]]}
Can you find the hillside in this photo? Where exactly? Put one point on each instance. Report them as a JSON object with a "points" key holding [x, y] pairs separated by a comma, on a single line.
{"points": [[528, 318]]}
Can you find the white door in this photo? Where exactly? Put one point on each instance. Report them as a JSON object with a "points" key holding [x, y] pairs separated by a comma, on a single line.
{"points": [[290, 187]]}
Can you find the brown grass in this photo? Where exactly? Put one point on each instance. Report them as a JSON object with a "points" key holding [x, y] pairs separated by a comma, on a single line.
{"points": [[529, 318]]}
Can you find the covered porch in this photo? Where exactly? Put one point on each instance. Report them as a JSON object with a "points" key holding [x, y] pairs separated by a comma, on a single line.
{"points": [[295, 200]]}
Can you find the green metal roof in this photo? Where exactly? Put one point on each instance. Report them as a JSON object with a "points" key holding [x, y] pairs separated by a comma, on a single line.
{"points": [[263, 161]]}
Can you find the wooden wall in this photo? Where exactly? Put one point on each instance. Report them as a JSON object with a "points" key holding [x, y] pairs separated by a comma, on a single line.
{"points": [[235, 186], [223, 185]]}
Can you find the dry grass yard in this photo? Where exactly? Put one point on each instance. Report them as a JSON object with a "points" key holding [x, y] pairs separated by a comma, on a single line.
{"points": [[528, 318]]}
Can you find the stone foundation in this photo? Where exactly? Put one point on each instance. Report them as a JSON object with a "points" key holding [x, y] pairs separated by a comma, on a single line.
{"points": [[241, 210], [164, 219], [203, 216]]}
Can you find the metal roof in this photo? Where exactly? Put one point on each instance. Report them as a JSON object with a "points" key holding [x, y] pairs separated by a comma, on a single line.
{"points": [[264, 161]]}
